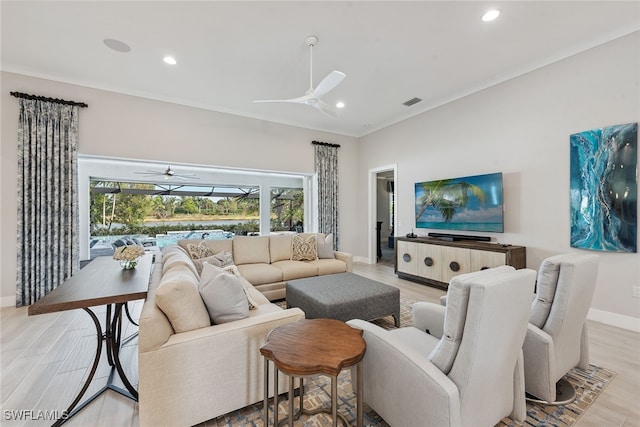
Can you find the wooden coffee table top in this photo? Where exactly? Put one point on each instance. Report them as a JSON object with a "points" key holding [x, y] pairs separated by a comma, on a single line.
{"points": [[314, 346]]}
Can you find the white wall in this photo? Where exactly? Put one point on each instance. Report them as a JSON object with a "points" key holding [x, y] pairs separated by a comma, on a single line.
{"points": [[117, 125], [522, 128]]}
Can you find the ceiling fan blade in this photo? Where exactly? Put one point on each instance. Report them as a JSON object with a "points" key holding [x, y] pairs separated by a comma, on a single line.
{"points": [[300, 100], [325, 108], [328, 83]]}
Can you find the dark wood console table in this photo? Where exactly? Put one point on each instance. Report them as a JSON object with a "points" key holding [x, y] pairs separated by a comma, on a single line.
{"points": [[435, 261], [101, 282]]}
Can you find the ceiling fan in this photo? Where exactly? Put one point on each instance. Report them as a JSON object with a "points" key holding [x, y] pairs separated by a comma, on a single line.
{"points": [[169, 173], [312, 96]]}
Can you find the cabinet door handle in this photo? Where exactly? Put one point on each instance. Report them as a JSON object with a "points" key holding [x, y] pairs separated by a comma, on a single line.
{"points": [[454, 266], [406, 257], [428, 261]]}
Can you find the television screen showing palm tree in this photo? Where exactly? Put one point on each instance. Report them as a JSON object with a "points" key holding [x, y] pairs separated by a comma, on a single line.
{"points": [[470, 203]]}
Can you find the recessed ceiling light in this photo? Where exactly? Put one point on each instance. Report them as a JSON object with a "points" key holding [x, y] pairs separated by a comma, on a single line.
{"points": [[340, 104], [170, 60], [117, 45], [491, 15]]}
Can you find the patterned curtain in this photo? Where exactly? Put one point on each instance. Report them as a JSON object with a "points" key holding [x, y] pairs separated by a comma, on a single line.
{"points": [[48, 244], [326, 158]]}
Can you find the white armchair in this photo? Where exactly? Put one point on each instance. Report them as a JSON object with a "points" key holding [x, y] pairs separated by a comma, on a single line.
{"points": [[556, 340], [468, 370]]}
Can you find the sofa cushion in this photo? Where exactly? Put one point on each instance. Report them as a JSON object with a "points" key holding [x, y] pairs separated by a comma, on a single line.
{"points": [[179, 261], [325, 247], [178, 298], [213, 244], [251, 250], [172, 250], [199, 250], [259, 274], [223, 295], [280, 247], [221, 259], [296, 269], [304, 247], [264, 309], [329, 266]]}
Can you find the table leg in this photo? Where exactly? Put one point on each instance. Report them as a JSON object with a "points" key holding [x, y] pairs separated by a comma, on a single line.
{"points": [[301, 395], [116, 332], [70, 410], [275, 395], [107, 334], [126, 310], [266, 392], [359, 394], [334, 400], [291, 410]]}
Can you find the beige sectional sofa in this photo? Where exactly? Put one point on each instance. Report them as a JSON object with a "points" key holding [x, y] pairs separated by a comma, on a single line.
{"points": [[265, 261], [191, 370]]}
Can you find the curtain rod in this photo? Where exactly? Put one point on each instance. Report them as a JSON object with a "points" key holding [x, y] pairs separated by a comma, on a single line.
{"points": [[42, 98], [326, 144]]}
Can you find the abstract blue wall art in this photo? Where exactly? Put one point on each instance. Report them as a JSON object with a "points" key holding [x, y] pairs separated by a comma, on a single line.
{"points": [[604, 189]]}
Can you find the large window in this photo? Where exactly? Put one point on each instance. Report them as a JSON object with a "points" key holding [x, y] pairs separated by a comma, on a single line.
{"points": [[147, 199], [126, 208], [287, 209]]}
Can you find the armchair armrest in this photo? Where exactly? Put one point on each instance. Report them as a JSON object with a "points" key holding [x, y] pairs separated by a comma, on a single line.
{"points": [[393, 368], [429, 316], [539, 363]]}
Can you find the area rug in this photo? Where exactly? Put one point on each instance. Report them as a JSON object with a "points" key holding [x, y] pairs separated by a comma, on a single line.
{"points": [[589, 385]]}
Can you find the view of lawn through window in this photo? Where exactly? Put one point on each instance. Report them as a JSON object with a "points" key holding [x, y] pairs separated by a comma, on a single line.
{"points": [[126, 208]]}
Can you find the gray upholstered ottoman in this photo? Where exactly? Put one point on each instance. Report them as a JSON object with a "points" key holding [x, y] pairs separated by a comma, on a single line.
{"points": [[344, 296]]}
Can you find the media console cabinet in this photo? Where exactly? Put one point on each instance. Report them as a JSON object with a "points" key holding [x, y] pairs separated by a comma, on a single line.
{"points": [[435, 261]]}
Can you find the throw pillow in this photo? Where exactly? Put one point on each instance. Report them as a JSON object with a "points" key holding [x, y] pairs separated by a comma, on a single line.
{"points": [[178, 298], [221, 259], [209, 272], [325, 247], [304, 248], [224, 297], [245, 285], [201, 250]]}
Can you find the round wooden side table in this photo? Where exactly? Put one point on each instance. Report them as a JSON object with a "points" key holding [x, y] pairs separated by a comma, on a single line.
{"points": [[307, 348]]}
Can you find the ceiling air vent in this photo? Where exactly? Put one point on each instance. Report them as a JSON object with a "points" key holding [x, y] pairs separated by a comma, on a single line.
{"points": [[412, 101]]}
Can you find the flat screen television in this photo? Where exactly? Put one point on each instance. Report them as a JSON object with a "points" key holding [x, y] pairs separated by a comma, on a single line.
{"points": [[470, 203]]}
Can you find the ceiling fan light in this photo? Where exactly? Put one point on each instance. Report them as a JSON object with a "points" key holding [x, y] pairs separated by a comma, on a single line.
{"points": [[339, 104], [490, 15], [170, 60]]}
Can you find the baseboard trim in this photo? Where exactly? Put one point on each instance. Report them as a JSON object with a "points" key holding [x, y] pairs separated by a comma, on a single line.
{"points": [[614, 319], [8, 301], [361, 259]]}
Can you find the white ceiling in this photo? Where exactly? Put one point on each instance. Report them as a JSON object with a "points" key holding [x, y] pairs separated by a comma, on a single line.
{"points": [[230, 53]]}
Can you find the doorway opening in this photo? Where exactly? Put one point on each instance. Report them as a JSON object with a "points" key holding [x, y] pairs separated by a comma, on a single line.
{"points": [[382, 215]]}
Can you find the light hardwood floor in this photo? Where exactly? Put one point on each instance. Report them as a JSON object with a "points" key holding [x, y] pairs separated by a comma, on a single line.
{"points": [[44, 360]]}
